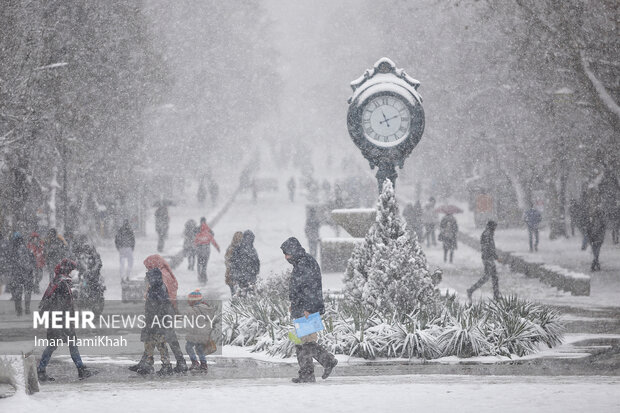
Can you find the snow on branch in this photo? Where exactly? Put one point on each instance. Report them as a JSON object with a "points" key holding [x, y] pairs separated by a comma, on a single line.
{"points": [[600, 89], [52, 66]]}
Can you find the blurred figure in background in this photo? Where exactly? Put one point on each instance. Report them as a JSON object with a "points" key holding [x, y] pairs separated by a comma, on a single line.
{"points": [[22, 266], [203, 241], [125, 242], [244, 265], [532, 219], [596, 234], [236, 240], [448, 231], [413, 217], [430, 219], [35, 245], [162, 223], [189, 249]]}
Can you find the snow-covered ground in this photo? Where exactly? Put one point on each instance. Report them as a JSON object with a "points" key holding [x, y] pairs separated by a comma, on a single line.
{"points": [[432, 393]]}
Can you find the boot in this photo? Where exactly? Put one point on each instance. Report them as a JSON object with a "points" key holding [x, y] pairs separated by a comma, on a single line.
{"points": [[195, 365], [43, 377], [328, 370], [144, 361], [84, 373], [181, 366], [309, 379], [145, 369], [203, 367], [166, 370]]}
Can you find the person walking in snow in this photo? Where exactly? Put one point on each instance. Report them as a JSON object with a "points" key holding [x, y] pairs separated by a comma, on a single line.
{"points": [[203, 241], [306, 296], [189, 249], [58, 297], [198, 338], [171, 287], [532, 219], [429, 218], [154, 333], [595, 231], [162, 223], [125, 242], [489, 256], [413, 216], [244, 265], [291, 189], [236, 240], [448, 231], [35, 245], [22, 266], [55, 249]]}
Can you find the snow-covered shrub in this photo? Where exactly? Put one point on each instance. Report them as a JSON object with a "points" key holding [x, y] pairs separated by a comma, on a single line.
{"points": [[389, 271]]}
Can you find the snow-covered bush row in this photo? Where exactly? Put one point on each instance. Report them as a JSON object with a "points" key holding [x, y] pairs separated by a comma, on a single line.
{"points": [[510, 326]]}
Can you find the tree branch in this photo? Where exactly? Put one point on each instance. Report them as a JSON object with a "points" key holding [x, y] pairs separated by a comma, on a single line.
{"points": [[603, 95]]}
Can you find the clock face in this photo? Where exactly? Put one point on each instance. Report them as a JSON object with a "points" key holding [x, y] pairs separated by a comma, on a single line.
{"points": [[386, 120]]}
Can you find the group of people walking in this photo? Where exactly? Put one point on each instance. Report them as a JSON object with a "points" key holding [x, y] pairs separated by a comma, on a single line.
{"points": [[24, 262]]}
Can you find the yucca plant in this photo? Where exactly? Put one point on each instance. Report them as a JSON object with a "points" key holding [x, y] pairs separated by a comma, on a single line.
{"points": [[464, 336]]}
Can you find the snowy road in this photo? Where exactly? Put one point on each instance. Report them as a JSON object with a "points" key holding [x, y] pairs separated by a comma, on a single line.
{"points": [[432, 393]]}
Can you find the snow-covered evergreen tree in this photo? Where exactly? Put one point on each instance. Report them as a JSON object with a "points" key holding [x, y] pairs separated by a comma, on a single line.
{"points": [[389, 270]]}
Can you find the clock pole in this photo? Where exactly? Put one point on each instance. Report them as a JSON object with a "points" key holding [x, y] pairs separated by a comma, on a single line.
{"points": [[386, 170]]}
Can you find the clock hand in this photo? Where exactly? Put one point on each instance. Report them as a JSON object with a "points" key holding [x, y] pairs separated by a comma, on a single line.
{"points": [[385, 120]]}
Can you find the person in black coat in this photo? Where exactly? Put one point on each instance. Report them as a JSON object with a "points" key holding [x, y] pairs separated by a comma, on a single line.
{"points": [[58, 297], [244, 265], [22, 264], [154, 334], [306, 295], [595, 230], [489, 256], [162, 222], [448, 233], [125, 242]]}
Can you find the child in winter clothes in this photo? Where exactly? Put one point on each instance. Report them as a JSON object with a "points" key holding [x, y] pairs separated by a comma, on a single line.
{"points": [[199, 336]]}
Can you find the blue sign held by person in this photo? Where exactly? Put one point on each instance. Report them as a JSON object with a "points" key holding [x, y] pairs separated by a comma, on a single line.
{"points": [[305, 326]]}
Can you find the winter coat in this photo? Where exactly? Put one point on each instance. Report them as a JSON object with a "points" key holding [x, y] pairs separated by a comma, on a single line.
{"points": [[205, 237], [58, 297], [449, 230], [532, 218], [429, 216], [189, 235], [244, 263], [35, 245], [487, 245], [170, 281], [125, 237], [156, 307], [90, 264], [55, 249], [237, 237], [162, 221], [595, 228], [305, 288], [196, 334], [22, 264]]}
